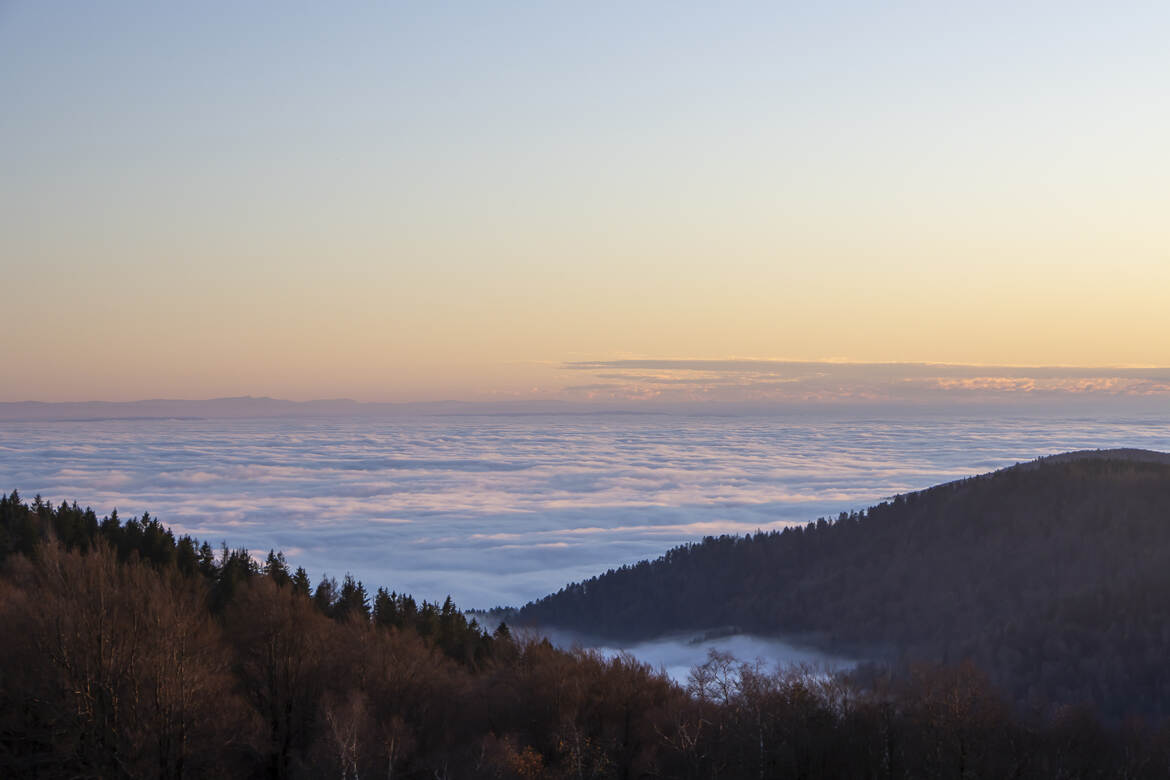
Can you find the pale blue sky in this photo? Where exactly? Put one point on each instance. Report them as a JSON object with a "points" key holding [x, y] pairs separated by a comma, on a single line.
{"points": [[437, 200]]}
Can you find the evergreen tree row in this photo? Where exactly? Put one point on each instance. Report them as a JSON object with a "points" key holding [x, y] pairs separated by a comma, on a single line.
{"points": [[26, 527]]}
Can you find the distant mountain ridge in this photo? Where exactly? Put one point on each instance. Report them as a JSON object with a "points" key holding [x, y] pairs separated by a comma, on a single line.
{"points": [[1053, 575], [243, 407]]}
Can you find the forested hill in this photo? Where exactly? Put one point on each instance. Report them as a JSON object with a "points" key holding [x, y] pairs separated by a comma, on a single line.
{"points": [[1054, 576], [128, 652]]}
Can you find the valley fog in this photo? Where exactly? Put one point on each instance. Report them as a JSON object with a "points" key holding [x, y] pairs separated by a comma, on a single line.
{"points": [[678, 655]]}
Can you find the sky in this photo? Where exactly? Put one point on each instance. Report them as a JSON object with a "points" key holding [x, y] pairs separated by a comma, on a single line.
{"points": [[412, 202]]}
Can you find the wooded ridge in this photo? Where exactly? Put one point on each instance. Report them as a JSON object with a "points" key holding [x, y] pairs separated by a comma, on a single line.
{"points": [[1053, 576]]}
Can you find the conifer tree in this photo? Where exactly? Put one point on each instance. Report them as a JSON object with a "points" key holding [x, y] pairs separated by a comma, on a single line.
{"points": [[207, 561], [352, 601], [276, 568], [300, 582], [325, 596], [385, 609]]}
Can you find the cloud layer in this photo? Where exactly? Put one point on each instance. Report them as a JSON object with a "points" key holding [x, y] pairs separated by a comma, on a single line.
{"points": [[498, 510], [780, 381]]}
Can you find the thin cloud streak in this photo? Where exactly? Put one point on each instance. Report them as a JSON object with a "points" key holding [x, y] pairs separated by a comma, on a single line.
{"points": [[892, 368], [788, 382]]}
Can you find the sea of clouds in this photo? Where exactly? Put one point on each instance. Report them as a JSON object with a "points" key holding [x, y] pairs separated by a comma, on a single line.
{"points": [[498, 510], [502, 509]]}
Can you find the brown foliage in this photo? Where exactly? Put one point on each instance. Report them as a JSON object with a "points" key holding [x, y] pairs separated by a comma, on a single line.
{"points": [[112, 669], [123, 672]]}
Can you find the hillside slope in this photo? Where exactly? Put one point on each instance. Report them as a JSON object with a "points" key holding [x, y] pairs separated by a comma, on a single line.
{"points": [[1054, 576]]}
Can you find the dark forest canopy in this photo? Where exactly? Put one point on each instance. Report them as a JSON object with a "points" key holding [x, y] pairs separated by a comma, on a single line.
{"points": [[26, 527], [128, 652], [1053, 576]]}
